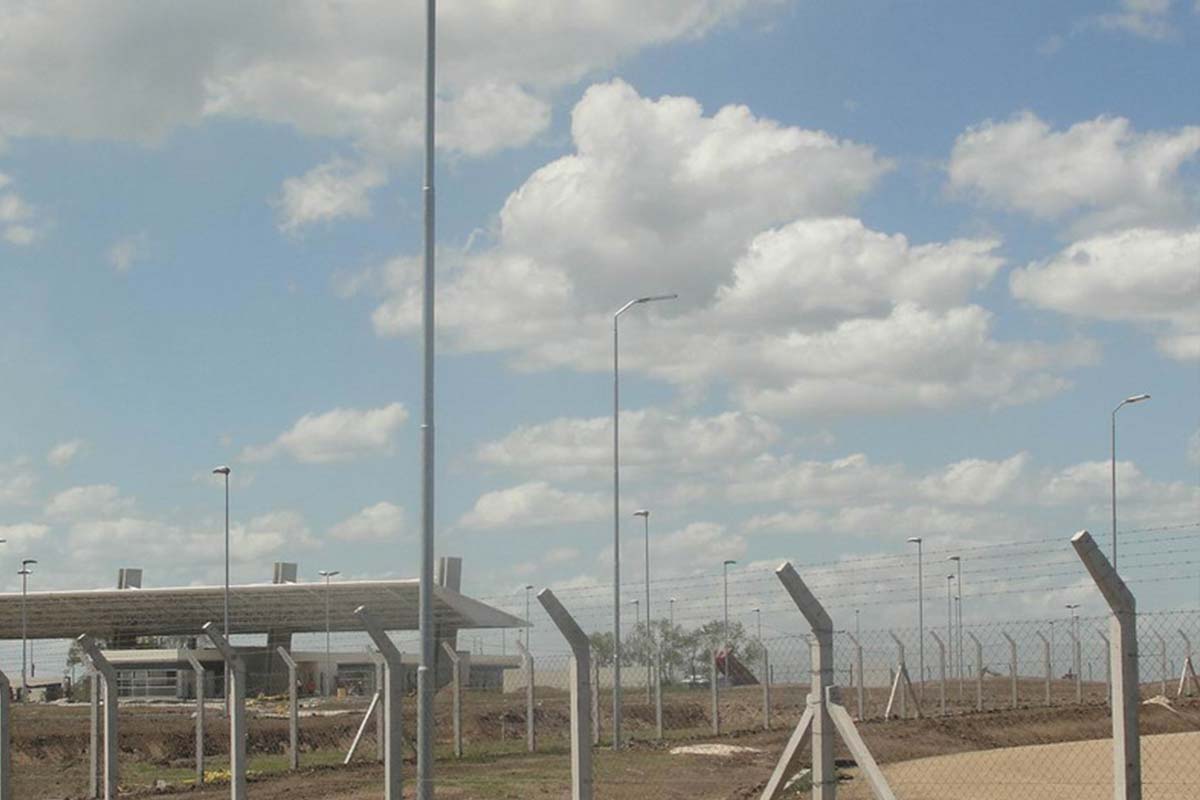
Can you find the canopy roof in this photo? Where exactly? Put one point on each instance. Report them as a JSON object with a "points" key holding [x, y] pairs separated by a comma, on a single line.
{"points": [[254, 608]]}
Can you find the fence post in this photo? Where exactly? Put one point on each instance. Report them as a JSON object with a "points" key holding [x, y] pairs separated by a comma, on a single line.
{"points": [[766, 687], [901, 668], [381, 718], [1108, 698], [456, 697], [581, 748], [237, 711], [716, 693], [824, 773], [860, 689], [1077, 666], [658, 687], [978, 672], [1049, 672], [1162, 667], [1188, 671], [595, 701], [1012, 666], [942, 667], [95, 737], [1127, 758], [393, 696], [108, 676], [198, 672], [5, 740], [293, 710], [527, 668]]}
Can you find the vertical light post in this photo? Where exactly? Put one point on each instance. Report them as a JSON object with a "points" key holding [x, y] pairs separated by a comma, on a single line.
{"points": [[725, 575], [330, 682], [1074, 609], [958, 562], [224, 471], [24, 572], [528, 589], [950, 617], [1137, 398], [920, 608], [426, 677], [645, 515], [617, 510]]}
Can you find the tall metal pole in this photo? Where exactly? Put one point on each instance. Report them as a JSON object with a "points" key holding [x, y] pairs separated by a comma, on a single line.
{"points": [[425, 672], [24, 573], [920, 609], [224, 471], [528, 588], [725, 570], [330, 684], [672, 601], [950, 617], [645, 515], [1137, 398], [617, 513], [958, 560]]}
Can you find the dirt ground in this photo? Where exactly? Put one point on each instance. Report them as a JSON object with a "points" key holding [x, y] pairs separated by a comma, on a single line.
{"points": [[50, 746]]}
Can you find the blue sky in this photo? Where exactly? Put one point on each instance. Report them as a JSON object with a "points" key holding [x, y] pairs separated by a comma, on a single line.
{"points": [[922, 250]]}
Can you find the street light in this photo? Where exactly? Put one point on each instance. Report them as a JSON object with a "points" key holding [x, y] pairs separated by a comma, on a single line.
{"points": [[958, 562], [920, 609], [672, 602], [327, 574], [645, 515], [950, 617], [725, 570], [224, 470], [1137, 398], [617, 512], [24, 572]]}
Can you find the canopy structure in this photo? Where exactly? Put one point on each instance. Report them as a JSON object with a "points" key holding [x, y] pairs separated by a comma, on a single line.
{"points": [[254, 608]]}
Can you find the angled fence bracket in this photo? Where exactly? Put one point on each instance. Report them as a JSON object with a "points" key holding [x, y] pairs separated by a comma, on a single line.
{"points": [[1188, 672], [293, 709], [1127, 755], [824, 713], [237, 711], [393, 697], [198, 672], [107, 677], [581, 746]]}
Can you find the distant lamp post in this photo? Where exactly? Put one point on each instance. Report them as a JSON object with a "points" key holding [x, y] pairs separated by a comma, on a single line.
{"points": [[920, 609], [644, 513], [617, 511], [958, 612], [327, 574], [950, 617], [672, 603], [25, 572], [224, 471], [725, 575], [1137, 398]]}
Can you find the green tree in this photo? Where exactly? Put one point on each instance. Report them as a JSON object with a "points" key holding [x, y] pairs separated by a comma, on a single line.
{"points": [[602, 648]]}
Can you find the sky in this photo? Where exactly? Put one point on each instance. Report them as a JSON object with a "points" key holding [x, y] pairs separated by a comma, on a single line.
{"points": [[921, 251]]}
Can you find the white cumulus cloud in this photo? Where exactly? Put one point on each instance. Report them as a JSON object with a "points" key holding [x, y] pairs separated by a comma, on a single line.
{"points": [[342, 434], [128, 250], [64, 453], [377, 523], [18, 223], [85, 502], [327, 192], [1148, 277], [534, 505]]}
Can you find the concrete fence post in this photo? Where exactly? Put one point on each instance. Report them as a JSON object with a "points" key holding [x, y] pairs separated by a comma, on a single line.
{"points": [[527, 668], [1162, 667], [381, 718], [595, 701], [1188, 671], [581, 747], [5, 740], [392, 693], [108, 677], [1012, 667], [715, 689], [658, 690], [293, 709], [766, 690], [978, 672], [1127, 758], [95, 736], [942, 672], [455, 697], [1077, 666], [901, 669], [198, 673], [860, 686], [1046, 657], [237, 711], [1108, 698]]}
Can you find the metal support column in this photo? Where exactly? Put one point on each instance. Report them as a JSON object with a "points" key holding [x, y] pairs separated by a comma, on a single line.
{"points": [[942, 672], [860, 686], [530, 708], [456, 696], [1046, 658], [766, 687], [96, 736], [978, 673], [1108, 698], [1012, 667]]}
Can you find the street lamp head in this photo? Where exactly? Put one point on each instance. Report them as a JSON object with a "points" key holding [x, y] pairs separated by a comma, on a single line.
{"points": [[656, 297], [528, 587], [914, 540], [27, 561], [1137, 398], [642, 512], [729, 562], [222, 470], [328, 573], [954, 558]]}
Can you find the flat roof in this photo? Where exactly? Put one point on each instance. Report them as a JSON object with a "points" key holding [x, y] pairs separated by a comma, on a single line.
{"points": [[253, 608], [126, 659]]}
